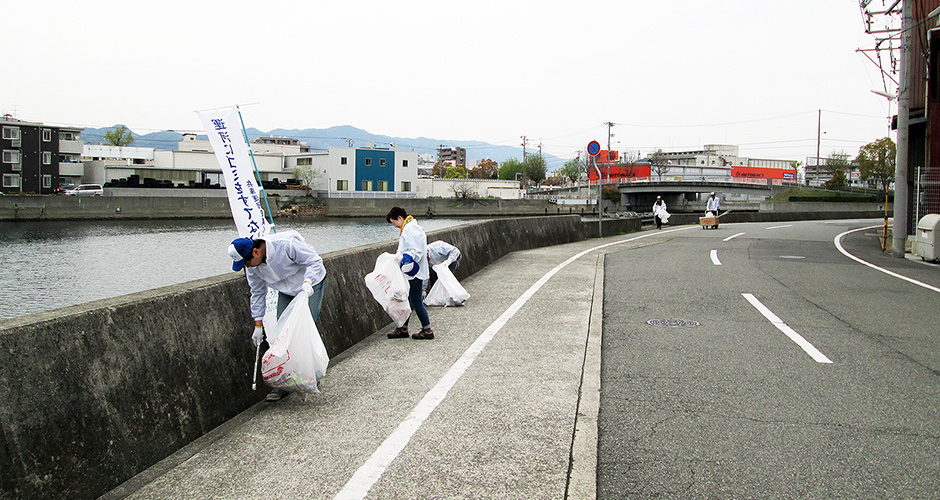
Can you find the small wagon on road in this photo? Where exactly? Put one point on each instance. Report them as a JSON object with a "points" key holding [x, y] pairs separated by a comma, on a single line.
{"points": [[708, 222]]}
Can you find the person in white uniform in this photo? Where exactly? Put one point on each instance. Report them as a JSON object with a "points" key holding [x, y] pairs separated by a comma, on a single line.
{"points": [[440, 252], [286, 263], [659, 212], [412, 256], [712, 205]]}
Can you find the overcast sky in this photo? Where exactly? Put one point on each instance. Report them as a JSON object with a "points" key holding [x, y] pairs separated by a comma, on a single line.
{"points": [[673, 74]]}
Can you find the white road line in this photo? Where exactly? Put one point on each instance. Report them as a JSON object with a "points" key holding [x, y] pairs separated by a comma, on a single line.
{"points": [[838, 243], [778, 227], [732, 237], [369, 473], [789, 332], [715, 258]]}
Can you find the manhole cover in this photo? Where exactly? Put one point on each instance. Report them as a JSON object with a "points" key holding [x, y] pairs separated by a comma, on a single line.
{"points": [[674, 323]]}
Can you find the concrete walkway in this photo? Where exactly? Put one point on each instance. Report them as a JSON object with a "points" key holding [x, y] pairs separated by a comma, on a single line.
{"points": [[489, 409]]}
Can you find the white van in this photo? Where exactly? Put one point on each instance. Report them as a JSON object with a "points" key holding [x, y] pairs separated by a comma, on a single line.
{"points": [[86, 190]]}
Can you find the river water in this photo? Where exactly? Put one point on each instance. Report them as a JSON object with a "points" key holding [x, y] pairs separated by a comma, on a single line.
{"points": [[53, 264]]}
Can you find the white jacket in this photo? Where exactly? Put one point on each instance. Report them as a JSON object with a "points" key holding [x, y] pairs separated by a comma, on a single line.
{"points": [[659, 209], [414, 242], [439, 251], [712, 204], [289, 261]]}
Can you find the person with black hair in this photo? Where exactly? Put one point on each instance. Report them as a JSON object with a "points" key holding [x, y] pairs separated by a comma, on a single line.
{"points": [[412, 256]]}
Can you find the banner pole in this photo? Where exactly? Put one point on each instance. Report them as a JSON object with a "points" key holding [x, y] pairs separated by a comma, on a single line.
{"points": [[264, 193]]}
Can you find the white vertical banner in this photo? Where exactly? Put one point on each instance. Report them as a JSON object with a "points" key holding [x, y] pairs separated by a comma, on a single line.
{"points": [[223, 126]]}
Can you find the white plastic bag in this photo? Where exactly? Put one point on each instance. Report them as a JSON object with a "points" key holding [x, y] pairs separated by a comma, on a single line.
{"points": [[297, 359], [447, 291], [390, 288], [664, 216]]}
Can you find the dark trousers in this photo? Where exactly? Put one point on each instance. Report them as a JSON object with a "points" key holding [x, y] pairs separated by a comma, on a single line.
{"points": [[416, 299]]}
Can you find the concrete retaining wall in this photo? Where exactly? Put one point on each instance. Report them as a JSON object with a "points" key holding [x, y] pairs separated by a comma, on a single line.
{"points": [[91, 395], [438, 207], [14, 208], [139, 203]]}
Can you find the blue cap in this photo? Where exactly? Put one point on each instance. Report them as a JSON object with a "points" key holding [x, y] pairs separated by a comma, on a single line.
{"points": [[238, 251]]}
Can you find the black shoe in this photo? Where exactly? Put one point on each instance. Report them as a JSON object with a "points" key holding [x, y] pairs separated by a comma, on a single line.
{"points": [[424, 334], [399, 333], [277, 395]]}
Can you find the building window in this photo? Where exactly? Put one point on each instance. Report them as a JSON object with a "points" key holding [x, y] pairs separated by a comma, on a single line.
{"points": [[46, 158], [46, 135], [367, 185], [404, 163], [383, 186], [47, 181], [381, 162], [11, 133], [342, 160], [342, 185], [406, 185], [11, 156], [304, 161], [11, 181], [69, 136], [368, 162]]}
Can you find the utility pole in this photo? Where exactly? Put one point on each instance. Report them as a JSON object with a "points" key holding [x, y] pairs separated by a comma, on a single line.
{"points": [[901, 212], [818, 139], [440, 159], [524, 142], [609, 125]]}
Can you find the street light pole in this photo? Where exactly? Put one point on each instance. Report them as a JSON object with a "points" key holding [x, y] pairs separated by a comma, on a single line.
{"points": [[901, 213]]}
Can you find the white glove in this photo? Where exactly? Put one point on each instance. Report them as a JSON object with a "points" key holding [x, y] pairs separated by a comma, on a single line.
{"points": [[257, 336], [448, 261], [398, 257], [307, 288]]}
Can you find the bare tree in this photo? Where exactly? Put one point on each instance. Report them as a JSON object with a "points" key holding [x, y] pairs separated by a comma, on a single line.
{"points": [[309, 176], [659, 163], [464, 190]]}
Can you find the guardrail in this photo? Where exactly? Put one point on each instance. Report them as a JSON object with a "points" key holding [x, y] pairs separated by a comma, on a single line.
{"points": [[367, 194]]}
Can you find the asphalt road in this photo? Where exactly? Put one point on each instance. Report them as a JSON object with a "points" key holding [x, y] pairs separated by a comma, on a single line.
{"points": [[549, 383], [735, 408]]}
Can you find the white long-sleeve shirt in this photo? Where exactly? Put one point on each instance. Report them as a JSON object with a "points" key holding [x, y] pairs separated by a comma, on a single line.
{"points": [[712, 204], [659, 209], [414, 242], [439, 251], [289, 261]]}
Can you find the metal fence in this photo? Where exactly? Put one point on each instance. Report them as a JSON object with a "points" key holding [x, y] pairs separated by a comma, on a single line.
{"points": [[366, 194]]}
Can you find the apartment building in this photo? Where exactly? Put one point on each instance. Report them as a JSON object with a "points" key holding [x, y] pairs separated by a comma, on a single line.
{"points": [[37, 157]]}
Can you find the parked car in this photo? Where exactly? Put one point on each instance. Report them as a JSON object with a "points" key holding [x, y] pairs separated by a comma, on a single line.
{"points": [[62, 188], [86, 190]]}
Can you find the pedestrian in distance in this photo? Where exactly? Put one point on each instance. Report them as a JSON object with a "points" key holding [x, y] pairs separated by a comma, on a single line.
{"points": [[659, 212], [440, 252], [712, 205], [286, 263], [412, 257]]}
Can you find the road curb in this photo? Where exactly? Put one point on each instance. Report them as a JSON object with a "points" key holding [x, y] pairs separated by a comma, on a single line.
{"points": [[582, 474]]}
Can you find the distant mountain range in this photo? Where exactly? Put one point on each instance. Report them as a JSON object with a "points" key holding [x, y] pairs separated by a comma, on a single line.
{"points": [[323, 139]]}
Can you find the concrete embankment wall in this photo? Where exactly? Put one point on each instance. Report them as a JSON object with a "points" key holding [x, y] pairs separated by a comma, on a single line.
{"points": [[793, 211], [22, 208], [446, 207], [190, 204], [91, 395]]}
